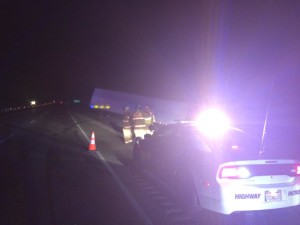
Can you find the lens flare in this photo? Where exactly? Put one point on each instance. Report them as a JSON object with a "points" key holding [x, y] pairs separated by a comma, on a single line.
{"points": [[213, 123]]}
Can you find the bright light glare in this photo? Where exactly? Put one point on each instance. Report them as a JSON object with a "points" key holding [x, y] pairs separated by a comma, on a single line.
{"points": [[33, 103], [243, 172], [213, 123], [235, 147], [229, 172], [298, 169], [235, 172]]}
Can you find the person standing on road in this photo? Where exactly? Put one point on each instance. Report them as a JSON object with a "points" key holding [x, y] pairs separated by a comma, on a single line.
{"points": [[127, 125], [139, 125], [149, 118]]}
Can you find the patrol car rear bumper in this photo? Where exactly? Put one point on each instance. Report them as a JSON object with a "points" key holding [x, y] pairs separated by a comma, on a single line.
{"points": [[248, 198]]}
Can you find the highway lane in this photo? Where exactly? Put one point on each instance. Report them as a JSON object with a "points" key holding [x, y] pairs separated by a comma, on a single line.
{"points": [[49, 177], [141, 193]]}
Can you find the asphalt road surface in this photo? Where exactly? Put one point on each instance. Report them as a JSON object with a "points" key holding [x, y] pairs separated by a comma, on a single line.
{"points": [[48, 176]]}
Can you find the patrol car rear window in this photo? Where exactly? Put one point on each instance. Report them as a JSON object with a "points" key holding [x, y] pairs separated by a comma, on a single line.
{"points": [[240, 146]]}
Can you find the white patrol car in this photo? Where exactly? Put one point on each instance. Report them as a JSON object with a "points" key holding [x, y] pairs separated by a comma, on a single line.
{"points": [[224, 177]]}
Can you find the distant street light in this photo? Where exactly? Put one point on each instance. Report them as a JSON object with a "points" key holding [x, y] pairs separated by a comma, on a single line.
{"points": [[33, 103]]}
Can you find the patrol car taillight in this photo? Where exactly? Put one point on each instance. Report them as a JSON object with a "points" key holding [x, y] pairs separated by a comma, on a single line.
{"points": [[234, 172], [296, 170]]}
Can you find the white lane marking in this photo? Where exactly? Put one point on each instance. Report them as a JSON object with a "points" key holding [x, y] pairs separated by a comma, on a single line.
{"points": [[32, 121], [82, 131], [123, 188], [4, 139]]}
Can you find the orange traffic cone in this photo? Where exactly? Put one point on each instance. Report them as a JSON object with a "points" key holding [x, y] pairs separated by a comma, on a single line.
{"points": [[92, 146]]}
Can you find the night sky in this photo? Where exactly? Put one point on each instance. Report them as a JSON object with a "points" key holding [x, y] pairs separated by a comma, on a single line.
{"points": [[230, 51]]}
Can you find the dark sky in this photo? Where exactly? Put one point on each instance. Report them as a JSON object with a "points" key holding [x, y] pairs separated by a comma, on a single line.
{"points": [[183, 50]]}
